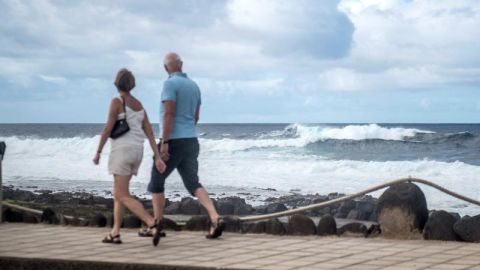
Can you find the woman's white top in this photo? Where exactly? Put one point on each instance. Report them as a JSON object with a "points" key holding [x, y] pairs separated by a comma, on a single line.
{"points": [[135, 136]]}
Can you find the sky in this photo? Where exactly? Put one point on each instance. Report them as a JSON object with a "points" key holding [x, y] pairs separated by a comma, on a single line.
{"points": [[256, 61]]}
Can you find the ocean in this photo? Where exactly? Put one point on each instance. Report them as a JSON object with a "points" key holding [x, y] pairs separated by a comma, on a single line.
{"points": [[258, 161]]}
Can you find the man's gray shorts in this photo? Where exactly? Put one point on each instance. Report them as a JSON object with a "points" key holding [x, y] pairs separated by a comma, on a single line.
{"points": [[183, 157]]}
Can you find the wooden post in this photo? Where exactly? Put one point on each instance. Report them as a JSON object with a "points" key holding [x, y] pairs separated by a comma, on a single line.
{"points": [[2, 151]]}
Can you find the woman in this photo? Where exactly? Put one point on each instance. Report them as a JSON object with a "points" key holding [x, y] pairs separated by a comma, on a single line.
{"points": [[126, 155]]}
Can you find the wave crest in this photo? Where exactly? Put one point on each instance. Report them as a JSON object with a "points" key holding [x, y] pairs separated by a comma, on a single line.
{"points": [[297, 135]]}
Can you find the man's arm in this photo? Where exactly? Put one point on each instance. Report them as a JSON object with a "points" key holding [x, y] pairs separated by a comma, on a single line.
{"points": [[197, 114], [168, 116]]}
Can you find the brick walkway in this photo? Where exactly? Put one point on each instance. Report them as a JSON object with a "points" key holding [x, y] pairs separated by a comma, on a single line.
{"points": [[233, 251]]}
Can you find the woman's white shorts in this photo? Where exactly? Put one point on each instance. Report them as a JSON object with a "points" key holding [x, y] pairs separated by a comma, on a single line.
{"points": [[125, 160]]}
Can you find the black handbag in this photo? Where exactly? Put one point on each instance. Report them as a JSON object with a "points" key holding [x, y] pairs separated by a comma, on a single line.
{"points": [[121, 126]]}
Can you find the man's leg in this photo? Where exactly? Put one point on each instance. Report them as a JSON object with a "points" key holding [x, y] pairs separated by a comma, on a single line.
{"points": [[158, 202], [206, 202], [157, 182]]}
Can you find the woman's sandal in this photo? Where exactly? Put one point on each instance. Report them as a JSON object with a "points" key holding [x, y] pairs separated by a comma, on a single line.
{"points": [[148, 232], [110, 239], [216, 229], [158, 232]]}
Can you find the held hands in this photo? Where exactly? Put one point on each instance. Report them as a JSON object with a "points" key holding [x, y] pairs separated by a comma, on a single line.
{"points": [[164, 151], [160, 165], [96, 159]]}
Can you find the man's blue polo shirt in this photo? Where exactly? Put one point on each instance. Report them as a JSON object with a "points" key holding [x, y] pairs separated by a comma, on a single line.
{"points": [[186, 94]]}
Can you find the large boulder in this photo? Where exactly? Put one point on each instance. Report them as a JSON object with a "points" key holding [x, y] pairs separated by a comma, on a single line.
{"points": [[439, 226], [327, 226], [402, 211], [300, 224], [468, 228]]}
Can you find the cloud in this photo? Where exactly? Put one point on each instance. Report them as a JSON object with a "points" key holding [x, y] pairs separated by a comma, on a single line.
{"points": [[54, 79], [291, 28], [396, 34]]}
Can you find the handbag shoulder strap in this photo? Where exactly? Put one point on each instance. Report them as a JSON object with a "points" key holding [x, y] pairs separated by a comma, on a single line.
{"points": [[124, 109]]}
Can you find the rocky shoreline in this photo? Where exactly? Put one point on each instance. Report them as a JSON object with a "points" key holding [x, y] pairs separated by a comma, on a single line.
{"points": [[84, 204], [401, 212]]}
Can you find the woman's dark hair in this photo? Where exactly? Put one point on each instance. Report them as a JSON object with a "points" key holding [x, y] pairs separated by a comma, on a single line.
{"points": [[124, 80]]}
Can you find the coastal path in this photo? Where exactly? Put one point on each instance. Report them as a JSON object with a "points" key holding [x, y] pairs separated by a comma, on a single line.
{"points": [[27, 246]]}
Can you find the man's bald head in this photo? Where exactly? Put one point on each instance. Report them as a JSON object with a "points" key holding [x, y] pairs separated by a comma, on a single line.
{"points": [[172, 62]]}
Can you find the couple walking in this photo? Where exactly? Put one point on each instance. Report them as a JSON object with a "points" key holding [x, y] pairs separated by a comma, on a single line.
{"points": [[178, 149]]}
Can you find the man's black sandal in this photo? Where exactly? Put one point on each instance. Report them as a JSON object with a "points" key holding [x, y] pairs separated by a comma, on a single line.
{"points": [[217, 228], [158, 232]]}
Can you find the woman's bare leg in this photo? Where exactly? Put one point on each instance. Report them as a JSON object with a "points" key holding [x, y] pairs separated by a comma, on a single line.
{"points": [[122, 194], [118, 210]]}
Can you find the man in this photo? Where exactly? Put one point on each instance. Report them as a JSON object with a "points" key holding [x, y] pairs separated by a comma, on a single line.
{"points": [[180, 111]]}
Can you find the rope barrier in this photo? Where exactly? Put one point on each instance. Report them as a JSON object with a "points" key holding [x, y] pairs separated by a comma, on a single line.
{"points": [[358, 194], [32, 211]]}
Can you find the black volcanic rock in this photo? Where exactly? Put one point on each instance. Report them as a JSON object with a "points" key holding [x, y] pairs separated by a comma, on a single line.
{"points": [[439, 226], [300, 224], [402, 211], [233, 206], [468, 228], [189, 206], [173, 209], [327, 226], [10, 193], [271, 208], [275, 227]]}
